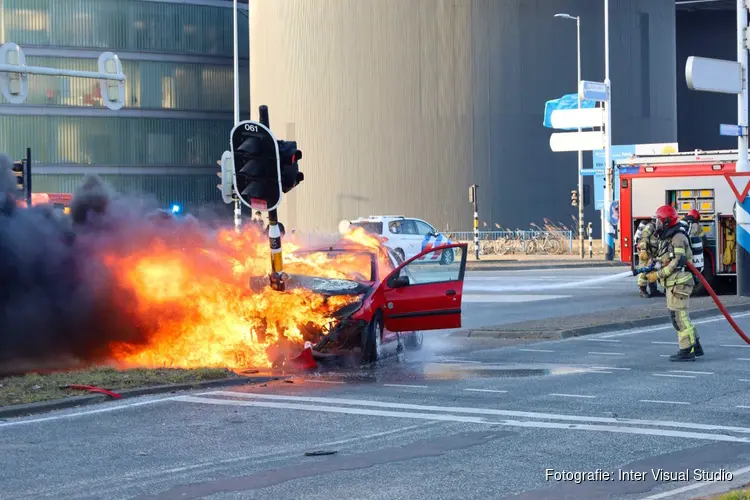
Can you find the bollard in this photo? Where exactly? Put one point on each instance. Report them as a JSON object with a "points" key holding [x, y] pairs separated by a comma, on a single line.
{"points": [[591, 241]]}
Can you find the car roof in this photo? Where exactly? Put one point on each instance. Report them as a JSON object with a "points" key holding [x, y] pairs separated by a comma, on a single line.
{"points": [[377, 218]]}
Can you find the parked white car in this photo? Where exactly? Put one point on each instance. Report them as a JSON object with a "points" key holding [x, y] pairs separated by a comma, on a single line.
{"points": [[405, 236]]}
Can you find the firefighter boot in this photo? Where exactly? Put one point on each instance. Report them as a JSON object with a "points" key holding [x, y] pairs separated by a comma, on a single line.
{"points": [[683, 355], [644, 293], [654, 291], [698, 348]]}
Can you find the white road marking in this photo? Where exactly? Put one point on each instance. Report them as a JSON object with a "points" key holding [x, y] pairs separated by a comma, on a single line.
{"points": [[599, 371], [87, 412], [486, 390], [660, 342], [735, 345], [688, 371], [695, 486], [602, 340], [406, 385], [741, 406], [572, 395], [743, 359], [672, 375], [663, 355], [535, 350], [608, 353], [610, 368], [506, 299], [447, 417], [479, 411], [324, 381], [744, 379], [667, 326], [663, 402], [460, 361]]}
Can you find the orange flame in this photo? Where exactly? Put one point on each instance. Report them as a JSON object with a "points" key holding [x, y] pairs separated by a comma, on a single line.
{"points": [[197, 306]]}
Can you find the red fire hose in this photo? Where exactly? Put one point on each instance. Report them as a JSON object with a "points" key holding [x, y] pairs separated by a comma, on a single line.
{"points": [[718, 302]]}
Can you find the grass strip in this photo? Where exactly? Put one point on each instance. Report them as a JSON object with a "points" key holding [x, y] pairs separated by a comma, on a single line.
{"points": [[33, 388]]}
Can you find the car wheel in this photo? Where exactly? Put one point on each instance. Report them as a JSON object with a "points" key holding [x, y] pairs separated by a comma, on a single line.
{"points": [[401, 254], [414, 341], [371, 340], [447, 257]]}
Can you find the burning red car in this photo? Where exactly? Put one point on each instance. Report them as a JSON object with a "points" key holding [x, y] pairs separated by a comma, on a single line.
{"points": [[390, 301]]}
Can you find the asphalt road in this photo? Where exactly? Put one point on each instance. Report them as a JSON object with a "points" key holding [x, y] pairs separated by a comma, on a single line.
{"points": [[462, 418], [501, 297]]}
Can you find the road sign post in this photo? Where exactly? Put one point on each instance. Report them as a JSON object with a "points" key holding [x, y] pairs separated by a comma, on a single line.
{"points": [[730, 77], [587, 141]]}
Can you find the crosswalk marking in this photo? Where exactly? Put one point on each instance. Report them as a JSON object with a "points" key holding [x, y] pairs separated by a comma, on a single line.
{"points": [[449, 414]]}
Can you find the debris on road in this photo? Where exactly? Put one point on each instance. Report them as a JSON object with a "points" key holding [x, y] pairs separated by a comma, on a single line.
{"points": [[319, 453]]}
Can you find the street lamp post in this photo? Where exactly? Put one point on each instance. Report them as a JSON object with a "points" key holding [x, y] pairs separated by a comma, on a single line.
{"points": [[609, 173], [577, 19]]}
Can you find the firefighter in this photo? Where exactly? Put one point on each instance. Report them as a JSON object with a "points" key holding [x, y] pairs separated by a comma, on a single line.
{"points": [[647, 244], [674, 252], [695, 232]]}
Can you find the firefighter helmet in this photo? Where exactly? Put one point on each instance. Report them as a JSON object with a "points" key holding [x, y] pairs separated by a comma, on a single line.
{"points": [[666, 217], [694, 214]]}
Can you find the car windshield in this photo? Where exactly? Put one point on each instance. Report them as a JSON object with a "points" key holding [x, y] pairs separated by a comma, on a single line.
{"points": [[335, 264]]}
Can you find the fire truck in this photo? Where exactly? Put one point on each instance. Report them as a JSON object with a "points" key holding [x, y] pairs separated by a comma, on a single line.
{"points": [[686, 181], [60, 201]]}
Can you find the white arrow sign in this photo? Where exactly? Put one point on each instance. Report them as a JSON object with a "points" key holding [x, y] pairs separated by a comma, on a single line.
{"points": [[577, 118], [576, 141]]}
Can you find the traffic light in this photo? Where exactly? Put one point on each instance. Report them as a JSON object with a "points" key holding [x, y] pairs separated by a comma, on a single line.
{"points": [[289, 155], [227, 177], [255, 158], [18, 171], [586, 195], [574, 198]]}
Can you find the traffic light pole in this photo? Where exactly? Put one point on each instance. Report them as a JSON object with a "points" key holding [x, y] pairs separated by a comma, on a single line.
{"points": [[274, 233], [27, 177]]}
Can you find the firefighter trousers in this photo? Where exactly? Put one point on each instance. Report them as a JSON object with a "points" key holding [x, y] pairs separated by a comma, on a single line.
{"points": [[678, 301]]}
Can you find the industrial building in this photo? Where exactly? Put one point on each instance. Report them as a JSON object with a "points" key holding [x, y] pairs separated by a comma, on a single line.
{"points": [[399, 106], [177, 58]]}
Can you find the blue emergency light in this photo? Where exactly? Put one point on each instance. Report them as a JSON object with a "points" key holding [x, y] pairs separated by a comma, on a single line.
{"points": [[175, 209]]}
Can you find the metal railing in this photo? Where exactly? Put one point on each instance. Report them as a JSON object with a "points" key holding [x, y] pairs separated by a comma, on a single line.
{"points": [[515, 242]]}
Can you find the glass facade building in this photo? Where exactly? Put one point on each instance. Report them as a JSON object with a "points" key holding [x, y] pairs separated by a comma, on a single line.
{"points": [[177, 58]]}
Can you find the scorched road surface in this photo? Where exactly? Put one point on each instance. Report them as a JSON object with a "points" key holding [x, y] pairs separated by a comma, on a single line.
{"points": [[463, 418]]}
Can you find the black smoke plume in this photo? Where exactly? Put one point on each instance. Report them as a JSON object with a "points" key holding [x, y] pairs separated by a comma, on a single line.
{"points": [[59, 303]]}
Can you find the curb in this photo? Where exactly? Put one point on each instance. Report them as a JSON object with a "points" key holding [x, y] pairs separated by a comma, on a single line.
{"points": [[591, 330], [60, 404], [492, 266]]}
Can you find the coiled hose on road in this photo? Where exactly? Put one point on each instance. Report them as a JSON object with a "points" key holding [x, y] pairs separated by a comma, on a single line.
{"points": [[718, 302]]}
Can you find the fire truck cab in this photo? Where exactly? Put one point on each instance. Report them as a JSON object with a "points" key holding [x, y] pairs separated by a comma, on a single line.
{"points": [[60, 201], [686, 181]]}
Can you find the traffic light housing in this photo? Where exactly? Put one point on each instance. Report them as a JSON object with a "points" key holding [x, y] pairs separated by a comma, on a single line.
{"points": [[18, 171], [289, 157], [227, 177], [257, 172], [574, 198], [586, 195]]}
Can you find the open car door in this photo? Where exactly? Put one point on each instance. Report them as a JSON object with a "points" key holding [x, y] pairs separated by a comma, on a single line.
{"points": [[423, 294]]}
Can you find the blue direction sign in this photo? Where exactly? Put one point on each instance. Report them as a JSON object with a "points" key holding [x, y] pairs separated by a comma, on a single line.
{"points": [[596, 91], [731, 130]]}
